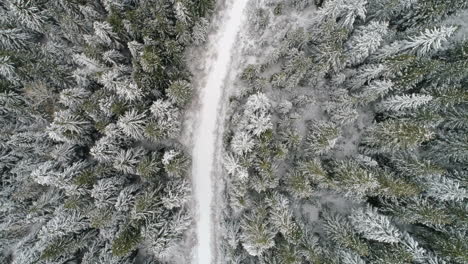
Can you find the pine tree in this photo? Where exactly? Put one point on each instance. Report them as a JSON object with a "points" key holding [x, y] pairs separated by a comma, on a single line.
{"points": [[405, 102], [265, 175], [27, 15], [353, 180], [374, 226], [322, 137], [429, 41], [373, 91], [412, 165], [149, 167], [392, 135], [422, 13], [282, 217], [365, 41], [348, 257], [133, 124], [126, 198], [127, 160], [7, 69], [396, 186], [103, 31], [299, 185], [242, 143], [257, 234], [340, 231], [167, 123], [364, 74], [175, 163], [445, 189], [13, 39], [179, 92], [126, 241], [70, 127], [74, 97], [200, 31], [450, 147], [176, 194], [105, 192], [419, 210]]}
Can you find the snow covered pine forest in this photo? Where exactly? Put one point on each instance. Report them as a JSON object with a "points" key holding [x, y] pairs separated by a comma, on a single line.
{"points": [[233, 131]]}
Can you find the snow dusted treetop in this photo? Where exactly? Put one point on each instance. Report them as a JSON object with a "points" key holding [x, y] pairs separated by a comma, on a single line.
{"points": [[346, 10], [70, 127], [257, 102], [234, 168], [164, 110], [7, 69], [135, 48], [26, 14], [175, 163], [13, 39], [445, 189], [257, 118], [133, 124], [374, 90], [429, 41], [103, 31], [242, 143], [118, 80], [200, 30], [180, 92], [73, 97], [374, 226], [404, 102], [365, 41], [353, 9], [127, 160], [164, 122], [426, 43], [258, 234], [182, 13]]}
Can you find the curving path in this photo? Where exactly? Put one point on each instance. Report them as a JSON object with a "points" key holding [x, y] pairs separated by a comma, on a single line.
{"points": [[205, 136]]}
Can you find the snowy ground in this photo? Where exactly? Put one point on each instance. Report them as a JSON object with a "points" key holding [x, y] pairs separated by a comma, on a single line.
{"points": [[204, 125]]}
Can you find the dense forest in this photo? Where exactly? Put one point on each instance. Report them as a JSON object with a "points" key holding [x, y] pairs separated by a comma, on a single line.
{"points": [[347, 137], [91, 94], [345, 140]]}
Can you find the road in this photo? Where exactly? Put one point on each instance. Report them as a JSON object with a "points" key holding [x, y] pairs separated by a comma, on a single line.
{"points": [[218, 59]]}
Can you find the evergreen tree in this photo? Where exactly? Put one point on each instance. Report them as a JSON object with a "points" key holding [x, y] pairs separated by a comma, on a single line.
{"points": [[257, 234], [394, 135], [365, 41], [322, 137], [374, 226]]}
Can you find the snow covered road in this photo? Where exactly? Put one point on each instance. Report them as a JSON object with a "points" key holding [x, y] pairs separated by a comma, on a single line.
{"points": [[205, 136]]}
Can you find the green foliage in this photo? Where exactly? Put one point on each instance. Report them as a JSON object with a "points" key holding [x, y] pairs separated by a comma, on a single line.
{"points": [[179, 92], [202, 7], [299, 185], [391, 185], [257, 234], [353, 179], [322, 137], [340, 231], [126, 241], [148, 168], [451, 245], [86, 178], [395, 135]]}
